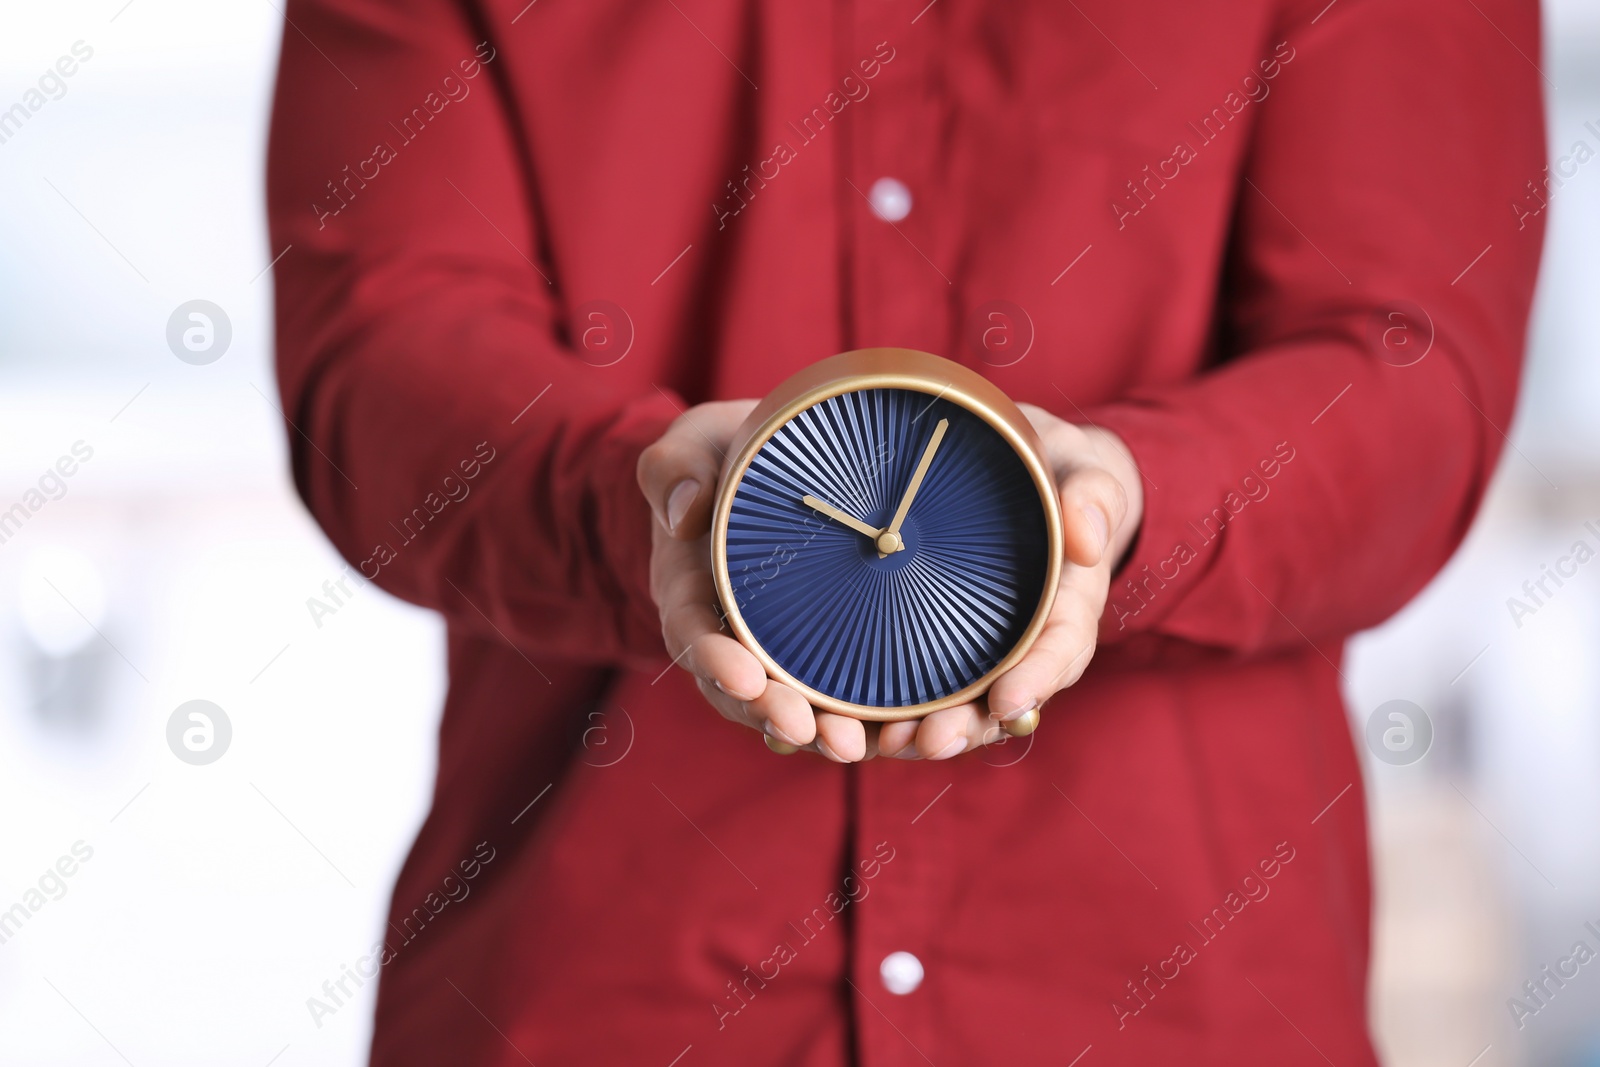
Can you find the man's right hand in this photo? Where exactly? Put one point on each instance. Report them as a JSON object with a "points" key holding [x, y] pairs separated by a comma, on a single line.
{"points": [[678, 475]]}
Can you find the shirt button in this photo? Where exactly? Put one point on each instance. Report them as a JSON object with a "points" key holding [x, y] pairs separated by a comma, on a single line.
{"points": [[890, 199], [901, 973]]}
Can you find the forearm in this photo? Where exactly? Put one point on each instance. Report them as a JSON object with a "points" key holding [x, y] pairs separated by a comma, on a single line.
{"points": [[1315, 479], [443, 432]]}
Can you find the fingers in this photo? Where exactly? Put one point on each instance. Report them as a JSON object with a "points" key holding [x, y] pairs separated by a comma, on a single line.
{"points": [[678, 473], [1097, 524], [693, 631], [729, 675], [779, 712], [1093, 507], [941, 735], [945, 733], [678, 476], [898, 739], [948, 733], [729, 666], [1063, 650], [841, 738], [693, 635], [783, 715], [1097, 515], [680, 582]]}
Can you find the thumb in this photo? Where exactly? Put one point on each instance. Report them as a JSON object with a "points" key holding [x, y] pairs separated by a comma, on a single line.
{"points": [[678, 473]]}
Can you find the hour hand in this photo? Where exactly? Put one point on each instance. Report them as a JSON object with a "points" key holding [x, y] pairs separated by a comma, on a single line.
{"points": [[840, 517]]}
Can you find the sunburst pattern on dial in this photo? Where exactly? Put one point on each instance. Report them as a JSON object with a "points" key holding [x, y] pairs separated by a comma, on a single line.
{"points": [[887, 547]]}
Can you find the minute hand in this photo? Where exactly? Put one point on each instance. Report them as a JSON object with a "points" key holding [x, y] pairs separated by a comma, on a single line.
{"points": [[891, 536]]}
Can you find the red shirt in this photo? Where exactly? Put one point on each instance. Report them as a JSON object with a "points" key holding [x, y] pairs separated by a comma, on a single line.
{"points": [[1285, 250]]}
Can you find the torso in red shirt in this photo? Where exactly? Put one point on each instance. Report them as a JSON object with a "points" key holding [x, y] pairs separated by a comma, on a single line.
{"points": [[1186, 218]]}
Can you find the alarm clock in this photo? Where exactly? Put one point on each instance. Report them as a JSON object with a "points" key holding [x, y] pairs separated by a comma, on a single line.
{"points": [[886, 538]]}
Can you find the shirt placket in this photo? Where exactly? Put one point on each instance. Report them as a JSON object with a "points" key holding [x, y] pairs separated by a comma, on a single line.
{"points": [[897, 230], [894, 294], [901, 984]]}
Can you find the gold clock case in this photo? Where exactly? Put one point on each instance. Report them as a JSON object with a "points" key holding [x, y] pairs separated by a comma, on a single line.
{"points": [[885, 368]]}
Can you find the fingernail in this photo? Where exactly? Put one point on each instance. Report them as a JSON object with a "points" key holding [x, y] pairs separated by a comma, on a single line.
{"points": [[778, 735], [1015, 713], [954, 748], [1097, 520], [725, 691], [822, 746], [678, 502], [909, 752]]}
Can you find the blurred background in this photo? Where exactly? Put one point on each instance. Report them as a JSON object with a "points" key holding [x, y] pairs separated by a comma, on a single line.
{"points": [[209, 866]]}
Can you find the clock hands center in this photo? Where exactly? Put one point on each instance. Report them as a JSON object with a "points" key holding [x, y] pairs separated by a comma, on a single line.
{"points": [[889, 540], [839, 516]]}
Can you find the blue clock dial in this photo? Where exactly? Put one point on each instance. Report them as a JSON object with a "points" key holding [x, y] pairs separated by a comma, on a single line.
{"points": [[963, 574]]}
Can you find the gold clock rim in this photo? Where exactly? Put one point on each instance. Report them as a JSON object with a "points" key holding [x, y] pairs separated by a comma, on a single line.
{"points": [[916, 371]]}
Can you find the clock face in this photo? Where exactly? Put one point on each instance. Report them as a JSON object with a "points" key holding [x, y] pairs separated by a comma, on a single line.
{"points": [[867, 610]]}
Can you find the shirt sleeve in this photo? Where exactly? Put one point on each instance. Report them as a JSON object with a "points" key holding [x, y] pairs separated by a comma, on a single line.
{"points": [[1373, 310], [443, 430]]}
